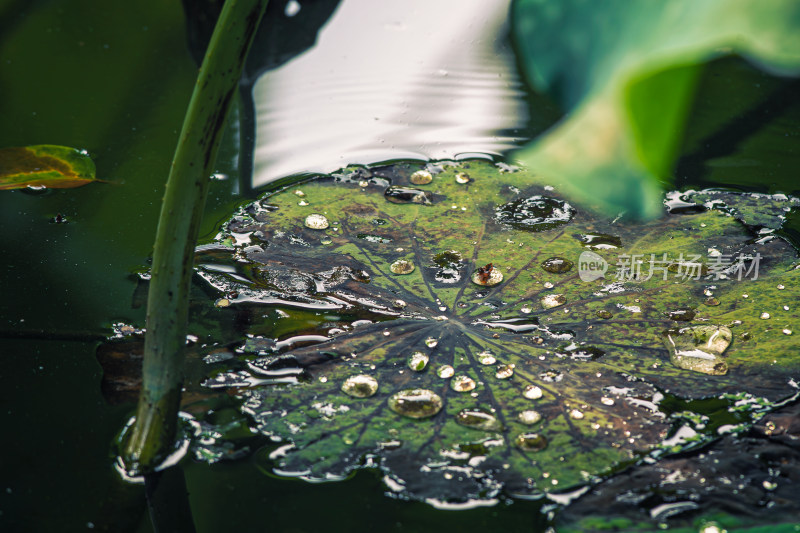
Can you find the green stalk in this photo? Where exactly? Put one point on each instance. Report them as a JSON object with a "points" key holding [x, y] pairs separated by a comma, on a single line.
{"points": [[152, 436]]}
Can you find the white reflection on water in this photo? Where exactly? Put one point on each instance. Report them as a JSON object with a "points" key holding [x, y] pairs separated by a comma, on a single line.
{"points": [[410, 79]]}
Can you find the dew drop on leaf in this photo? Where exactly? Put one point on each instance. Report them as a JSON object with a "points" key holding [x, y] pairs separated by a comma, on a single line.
{"points": [[531, 442], [532, 392], [401, 267], [360, 386], [462, 383], [599, 241], [488, 276], [316, 221], [462, 178], [445, 371], [478, 418], [551, 376], [415, 403], [553, 300], [537, 213], [530, 417], [407, 195], [417, 361], [504, 371], [486, 358], [431, 342], [605, 315], [421, 177], [557, 265], [699, 348], [681, 315]]}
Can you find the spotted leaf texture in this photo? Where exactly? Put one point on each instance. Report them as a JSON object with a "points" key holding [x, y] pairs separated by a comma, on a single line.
{"points": [[461, 333]]}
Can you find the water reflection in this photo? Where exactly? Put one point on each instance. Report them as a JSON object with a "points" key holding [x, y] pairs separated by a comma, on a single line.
{"points": [[389, 83]]}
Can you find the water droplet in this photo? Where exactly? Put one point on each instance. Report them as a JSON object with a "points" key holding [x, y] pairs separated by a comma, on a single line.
{"points": [[478, 418], [401, 267], [699, 348], [302, 203], [325, 240], [445, 371], [360, 386], [682, 315], [462, 178], [407, 195], [421, 177], [787, 332], [576, 414], [769, 485], [537, 213], [417, 361], [711, 301], [504, 371], [399, 304], [531, 442], [487, 276], [781, 287], [449, 263], [547, 285], [431, 342], [599, 241], [532, 392], [557, 265], [222, 302], [415, 403], [677, 203], [605, 315], [530, 417], [462, 383], [585, 353], [299, 193], [764, 316], [525, 310], [316, 221], [553, 300], [551, 376], [486, 358], [605, 400]]}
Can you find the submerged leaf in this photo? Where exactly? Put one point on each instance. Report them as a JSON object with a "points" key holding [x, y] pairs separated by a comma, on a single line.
{"points": [[539, 381], [45, 166], [626, 73]]}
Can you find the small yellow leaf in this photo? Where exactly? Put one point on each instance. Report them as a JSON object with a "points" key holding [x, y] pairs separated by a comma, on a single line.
{"points": [[45, 165]]}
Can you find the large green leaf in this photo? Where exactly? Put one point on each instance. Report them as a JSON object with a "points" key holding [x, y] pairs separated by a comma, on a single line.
{"points": [[626, 73], [565, 379]]}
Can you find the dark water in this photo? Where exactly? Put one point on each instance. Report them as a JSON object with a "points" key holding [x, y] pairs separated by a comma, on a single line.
{"points": [[115, 81]]}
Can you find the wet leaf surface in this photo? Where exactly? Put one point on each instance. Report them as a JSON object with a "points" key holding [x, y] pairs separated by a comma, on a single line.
{"points": [[733, 480], [44, 166], [538, 382]]}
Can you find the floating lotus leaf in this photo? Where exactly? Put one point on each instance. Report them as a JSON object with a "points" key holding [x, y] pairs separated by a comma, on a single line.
{"points": [[535, 395]]}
